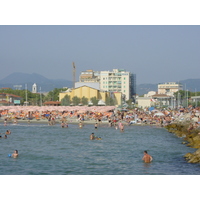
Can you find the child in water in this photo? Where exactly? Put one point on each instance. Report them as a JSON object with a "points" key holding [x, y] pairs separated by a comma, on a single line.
{"points": [[80, 125]]}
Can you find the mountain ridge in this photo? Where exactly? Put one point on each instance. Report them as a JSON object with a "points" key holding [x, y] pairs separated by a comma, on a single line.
{"points": [[19, 78]]}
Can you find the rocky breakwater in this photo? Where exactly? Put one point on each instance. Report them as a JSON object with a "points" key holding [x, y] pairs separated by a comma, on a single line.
{"points": [[190, 132]]}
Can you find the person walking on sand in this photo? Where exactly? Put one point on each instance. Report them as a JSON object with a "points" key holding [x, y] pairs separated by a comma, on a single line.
{"points": [[147, 158]]}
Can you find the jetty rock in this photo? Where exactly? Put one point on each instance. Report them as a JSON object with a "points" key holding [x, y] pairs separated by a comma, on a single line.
{"points": [[191, 136], [193, 157]]}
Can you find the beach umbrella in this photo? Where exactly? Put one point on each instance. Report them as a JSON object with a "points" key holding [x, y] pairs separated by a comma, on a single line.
{"points": [[159, 114], [155, 110]]}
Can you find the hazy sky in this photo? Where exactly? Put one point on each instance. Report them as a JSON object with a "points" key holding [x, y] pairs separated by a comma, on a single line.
{"points": [[154, 53]]}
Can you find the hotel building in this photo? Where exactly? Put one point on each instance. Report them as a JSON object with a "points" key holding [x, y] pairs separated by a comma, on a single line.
{"points": [[118, 80], [169, 88]]}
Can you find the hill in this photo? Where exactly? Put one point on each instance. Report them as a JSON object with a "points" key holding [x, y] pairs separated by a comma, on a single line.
{"points": [[46, 84], [145, 88], [188, 84]]}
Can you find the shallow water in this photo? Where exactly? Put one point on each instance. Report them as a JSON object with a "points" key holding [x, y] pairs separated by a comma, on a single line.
{"points": [[53, 150]]}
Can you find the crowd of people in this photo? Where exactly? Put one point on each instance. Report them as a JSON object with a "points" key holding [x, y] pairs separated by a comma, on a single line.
{"points": [[113, 117]]}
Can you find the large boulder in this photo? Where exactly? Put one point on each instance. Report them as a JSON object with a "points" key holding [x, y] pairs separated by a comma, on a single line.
{"points": [[193, 157], [188, 156]]}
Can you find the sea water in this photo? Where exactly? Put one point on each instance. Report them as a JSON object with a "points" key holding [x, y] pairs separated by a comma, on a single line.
{"points": [[52, 150]]}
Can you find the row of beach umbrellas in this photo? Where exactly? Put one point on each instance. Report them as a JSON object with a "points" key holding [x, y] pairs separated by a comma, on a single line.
{"points": [[79, 109]]}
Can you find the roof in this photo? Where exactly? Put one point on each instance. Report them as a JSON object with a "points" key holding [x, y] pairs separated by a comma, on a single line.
{"points": [[5, 102], [10, 95], [87, 86], [52, 102], [5, 88], [160, 95]]}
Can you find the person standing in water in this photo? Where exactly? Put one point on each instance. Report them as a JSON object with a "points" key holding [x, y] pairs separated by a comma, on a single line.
{"points": [[5, 122], [15, 154], [147, 158], [92, 136], [80, 125]]}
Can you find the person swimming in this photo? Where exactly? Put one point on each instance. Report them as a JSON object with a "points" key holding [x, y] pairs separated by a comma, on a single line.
{"points": [[8, 132], [92, 136]]}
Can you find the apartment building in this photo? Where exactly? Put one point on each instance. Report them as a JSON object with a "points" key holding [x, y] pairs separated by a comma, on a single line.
{"points": [[89, 76], [118, 80], [169, 88]]}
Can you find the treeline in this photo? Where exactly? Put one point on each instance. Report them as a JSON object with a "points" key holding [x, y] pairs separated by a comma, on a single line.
{"points": [[34, 98], [66, 101], [38, 99], [185, 97], [185, 94]]}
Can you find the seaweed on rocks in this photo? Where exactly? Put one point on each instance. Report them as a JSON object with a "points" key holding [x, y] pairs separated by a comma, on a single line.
{"points": [[191, 136]]}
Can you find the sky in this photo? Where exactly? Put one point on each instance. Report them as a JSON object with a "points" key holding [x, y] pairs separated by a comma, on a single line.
{"points": [[155, 53]]}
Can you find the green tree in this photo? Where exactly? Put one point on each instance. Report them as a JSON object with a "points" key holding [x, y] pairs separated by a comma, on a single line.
{"points": [[76, 100], [129, 102], [66, 100], [32, 98], [84, 100], [54, 94], [94, 100], [110, 101]]}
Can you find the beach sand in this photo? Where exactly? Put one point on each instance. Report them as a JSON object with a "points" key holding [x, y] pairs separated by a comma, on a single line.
{"points": [[45, 121]]}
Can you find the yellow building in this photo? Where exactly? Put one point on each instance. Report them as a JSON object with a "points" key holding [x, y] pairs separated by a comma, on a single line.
{"points": [[88, 92]]}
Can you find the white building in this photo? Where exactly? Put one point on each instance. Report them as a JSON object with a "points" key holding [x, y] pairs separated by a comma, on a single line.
{"points": [[150, 94], [169, 88], [144, 102], [118, 80], [89, 76], [34, 88]]}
